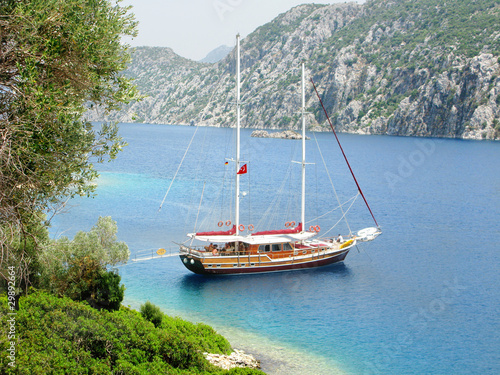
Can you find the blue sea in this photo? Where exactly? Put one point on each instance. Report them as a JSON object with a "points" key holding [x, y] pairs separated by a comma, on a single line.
{"points": [[423, 298]]}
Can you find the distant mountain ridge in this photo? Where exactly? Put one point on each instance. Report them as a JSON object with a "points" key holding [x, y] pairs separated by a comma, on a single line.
{"points": [[217, 54], [419, 67]]}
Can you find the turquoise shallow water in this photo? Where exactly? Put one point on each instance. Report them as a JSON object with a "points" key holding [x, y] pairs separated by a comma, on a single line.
{"points": [[422, 298]]}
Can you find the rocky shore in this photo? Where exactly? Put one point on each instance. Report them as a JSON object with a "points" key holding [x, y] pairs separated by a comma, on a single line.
{"points": [[286, 134], [238, 358]]}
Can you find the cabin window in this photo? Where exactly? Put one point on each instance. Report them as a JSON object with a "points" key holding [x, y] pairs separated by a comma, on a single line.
{"points": [[287, 246], [277, 247], [264, 248]]}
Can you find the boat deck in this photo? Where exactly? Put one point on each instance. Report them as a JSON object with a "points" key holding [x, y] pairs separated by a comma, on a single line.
{"points": [[312, 254]]}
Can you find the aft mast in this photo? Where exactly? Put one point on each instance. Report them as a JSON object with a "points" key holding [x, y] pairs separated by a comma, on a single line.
{"points": [[269, 250], [303, 110]]}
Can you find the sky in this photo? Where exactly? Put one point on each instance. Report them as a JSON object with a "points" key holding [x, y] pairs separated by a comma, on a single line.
{"points": [[193, 28]]}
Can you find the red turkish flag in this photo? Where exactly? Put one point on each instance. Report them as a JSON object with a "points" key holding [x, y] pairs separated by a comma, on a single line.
{"points": [[243, 169]]}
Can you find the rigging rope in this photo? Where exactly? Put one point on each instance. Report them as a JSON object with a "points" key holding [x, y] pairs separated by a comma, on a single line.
{"points": [[331, 182], [292, 192], [191, 141], [201, 199], [221, 217], [178, 168], [334, 209], [272, 213], [341, 149], [329, 230]]}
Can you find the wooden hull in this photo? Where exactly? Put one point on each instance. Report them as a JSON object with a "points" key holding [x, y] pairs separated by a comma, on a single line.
{"points": [[259, 263]]}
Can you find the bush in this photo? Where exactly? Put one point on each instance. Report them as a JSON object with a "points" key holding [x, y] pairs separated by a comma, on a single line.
{"points": [[152, 313], [79, 268], [70, 337], [109, 294]]}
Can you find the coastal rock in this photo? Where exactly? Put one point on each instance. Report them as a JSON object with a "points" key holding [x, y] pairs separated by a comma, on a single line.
{"points": [[286, 134], [238, 358], [379, 78]]}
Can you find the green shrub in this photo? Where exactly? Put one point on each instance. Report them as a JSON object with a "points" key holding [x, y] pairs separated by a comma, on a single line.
{"points": [[109, 293], [78, 268], [151, 313], [70, 337]]}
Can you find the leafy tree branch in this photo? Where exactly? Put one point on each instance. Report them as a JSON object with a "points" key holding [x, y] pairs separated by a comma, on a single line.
{"points": [[57, 58]]}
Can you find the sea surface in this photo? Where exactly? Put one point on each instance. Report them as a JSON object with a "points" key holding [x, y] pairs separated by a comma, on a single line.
{"points": [[423, 298]]}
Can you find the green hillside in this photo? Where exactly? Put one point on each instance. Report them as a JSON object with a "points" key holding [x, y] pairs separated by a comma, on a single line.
{"points": [[423, 68]]}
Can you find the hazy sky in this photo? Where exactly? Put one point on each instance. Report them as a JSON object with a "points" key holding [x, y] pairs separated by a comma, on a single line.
{"points": [[192, 28]]}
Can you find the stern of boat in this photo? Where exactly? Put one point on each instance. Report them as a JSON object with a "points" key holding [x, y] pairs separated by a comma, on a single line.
{"points": [[191, 260]]}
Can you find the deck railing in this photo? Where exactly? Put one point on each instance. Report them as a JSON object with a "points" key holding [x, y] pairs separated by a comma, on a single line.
{"points": [[148, 254], [304, 250]]}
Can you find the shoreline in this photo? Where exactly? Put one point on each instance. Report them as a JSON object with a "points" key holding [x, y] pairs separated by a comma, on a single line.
{"points": [[275, 358], [317, 128]]}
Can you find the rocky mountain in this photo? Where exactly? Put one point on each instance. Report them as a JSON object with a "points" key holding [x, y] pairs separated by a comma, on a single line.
{"points": [[401, 67], [217, 54]]}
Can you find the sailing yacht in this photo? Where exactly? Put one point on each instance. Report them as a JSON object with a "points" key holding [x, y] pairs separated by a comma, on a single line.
{"points": [[295, 247]]}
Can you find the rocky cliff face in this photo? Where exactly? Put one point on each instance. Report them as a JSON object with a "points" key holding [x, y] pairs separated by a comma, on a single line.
{"points": [[383, 67]]}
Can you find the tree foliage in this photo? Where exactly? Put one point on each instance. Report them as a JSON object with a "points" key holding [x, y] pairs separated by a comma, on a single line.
{"points": [[57, 58], [109, 293], [79, 268], [151, 313], [61, 336], [409, 27]]}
